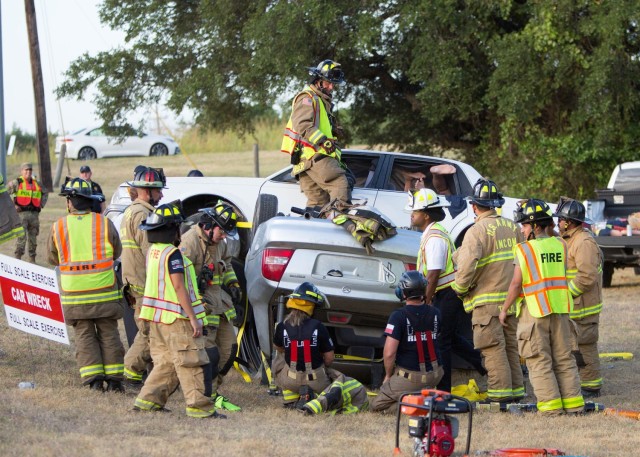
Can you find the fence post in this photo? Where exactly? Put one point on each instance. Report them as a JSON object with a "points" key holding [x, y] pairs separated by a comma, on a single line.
{"points": [[256, 161]]}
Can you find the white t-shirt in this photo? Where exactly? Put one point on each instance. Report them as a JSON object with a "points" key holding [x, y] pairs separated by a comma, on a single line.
{"points": [[434, 250]]}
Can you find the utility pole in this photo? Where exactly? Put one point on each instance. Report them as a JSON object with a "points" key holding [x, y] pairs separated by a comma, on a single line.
{"points": [[38, 93], [3, 149]]}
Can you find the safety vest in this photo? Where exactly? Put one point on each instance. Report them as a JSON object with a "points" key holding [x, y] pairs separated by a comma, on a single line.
{"points": [[28, 194], [310, 147], [85, 259], [543, 263], [160, 302], [447, 275]]}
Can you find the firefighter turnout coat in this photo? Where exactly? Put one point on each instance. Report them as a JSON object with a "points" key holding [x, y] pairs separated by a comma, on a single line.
{"points": [[134, 247]]}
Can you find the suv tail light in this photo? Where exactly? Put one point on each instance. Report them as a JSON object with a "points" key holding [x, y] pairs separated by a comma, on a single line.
{"points": [[409, 266], [274, 263]]}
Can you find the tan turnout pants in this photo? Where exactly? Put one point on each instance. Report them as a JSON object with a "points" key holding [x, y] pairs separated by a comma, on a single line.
{"points": [[224, 337], [138, 357], [293, 382], [587, 328], [177, 359], [99, 350], [545, 343], [324, 182], [391, 391], [499, 348]]}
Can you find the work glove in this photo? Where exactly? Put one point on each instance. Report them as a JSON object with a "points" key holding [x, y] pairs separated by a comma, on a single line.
{"points": [[329, 146], [236, 293]]}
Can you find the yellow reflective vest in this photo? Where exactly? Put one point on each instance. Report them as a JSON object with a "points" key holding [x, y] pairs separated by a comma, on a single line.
{"points": [[160, 302], [543, 262], [310, 144], [447, 275], [85, 259]]}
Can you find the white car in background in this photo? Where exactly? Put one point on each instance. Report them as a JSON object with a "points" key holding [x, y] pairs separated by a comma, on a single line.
{"points": [[91, 143]]}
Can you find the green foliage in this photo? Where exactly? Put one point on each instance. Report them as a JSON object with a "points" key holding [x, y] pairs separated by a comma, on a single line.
{"points": [[553, 84]]}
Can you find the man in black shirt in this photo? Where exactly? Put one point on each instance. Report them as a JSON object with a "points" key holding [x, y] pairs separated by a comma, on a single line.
{"points": [[98, 205], [411, 354]]}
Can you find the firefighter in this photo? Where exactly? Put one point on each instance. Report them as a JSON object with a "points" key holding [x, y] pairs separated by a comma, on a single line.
{"points": [[84, 245], [172, 306], [411, 355], [311, 138], [10, 223], [304, 348], [435, 262], [148, 183], [584, 273], [544, 329], [205, 245], [484, 265], [29, 200]]}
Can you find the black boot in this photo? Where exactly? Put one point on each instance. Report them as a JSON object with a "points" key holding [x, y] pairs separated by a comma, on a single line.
{"points": [[96, 384], [115, 386], [333, 397], [306, 395]]}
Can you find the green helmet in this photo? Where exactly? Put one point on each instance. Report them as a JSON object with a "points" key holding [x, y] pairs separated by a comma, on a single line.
{"points": [[78, 187], [163, 216]]}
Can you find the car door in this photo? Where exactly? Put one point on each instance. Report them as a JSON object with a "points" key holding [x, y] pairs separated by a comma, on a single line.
{"points": [[105, 146], [404, 173], [365, 166]]}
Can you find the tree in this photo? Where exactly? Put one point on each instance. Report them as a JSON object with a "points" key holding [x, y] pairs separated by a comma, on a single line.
{"points": [[541, 96]]}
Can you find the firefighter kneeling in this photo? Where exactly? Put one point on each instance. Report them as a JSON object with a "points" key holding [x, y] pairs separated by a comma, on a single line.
{"points": [[305, 351], [173, 307]]}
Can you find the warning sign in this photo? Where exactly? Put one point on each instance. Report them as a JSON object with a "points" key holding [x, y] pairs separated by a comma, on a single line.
{"points": [[31, 299]]}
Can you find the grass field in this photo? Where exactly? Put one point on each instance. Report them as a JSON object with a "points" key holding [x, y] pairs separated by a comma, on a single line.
{"points": [[60, 418]]}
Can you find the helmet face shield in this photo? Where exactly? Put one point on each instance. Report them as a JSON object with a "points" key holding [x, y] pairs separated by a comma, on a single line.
{"points": [[329, 71]]}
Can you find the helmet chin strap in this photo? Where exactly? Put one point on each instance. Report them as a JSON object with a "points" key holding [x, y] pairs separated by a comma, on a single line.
{"points": [[321, 87], [532, 234]]}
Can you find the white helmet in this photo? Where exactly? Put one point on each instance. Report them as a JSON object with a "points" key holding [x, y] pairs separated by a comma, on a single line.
{"points": [[425, 199]]}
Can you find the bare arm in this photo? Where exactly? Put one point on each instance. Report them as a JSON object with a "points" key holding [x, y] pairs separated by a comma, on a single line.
{"points": [[389, 357], [177, 279], [432, 278], [328, 357]]}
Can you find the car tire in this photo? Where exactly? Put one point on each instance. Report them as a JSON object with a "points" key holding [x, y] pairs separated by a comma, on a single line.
{"points": [[266, 208], [250, 346], [87, 153], [607, 274], [159, 149]]}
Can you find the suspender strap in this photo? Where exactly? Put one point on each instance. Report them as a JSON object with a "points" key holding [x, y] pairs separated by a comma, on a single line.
{"points": [[430, 347], [420, 348]]}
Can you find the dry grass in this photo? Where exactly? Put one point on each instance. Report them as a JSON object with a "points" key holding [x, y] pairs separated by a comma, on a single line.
{"points": [[61, 418]]}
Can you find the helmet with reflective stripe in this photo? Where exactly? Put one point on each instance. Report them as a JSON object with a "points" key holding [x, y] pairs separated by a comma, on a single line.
{"points": [[163, 216], [425, 199], [78, 187], [485, 193], [412, 284], [223, 216], [569, 208], [147, 177], [307, 296], [329, 71], [532, 210]]}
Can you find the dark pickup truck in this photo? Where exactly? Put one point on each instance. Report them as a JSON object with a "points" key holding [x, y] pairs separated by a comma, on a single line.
{"points": [[610, 211]]}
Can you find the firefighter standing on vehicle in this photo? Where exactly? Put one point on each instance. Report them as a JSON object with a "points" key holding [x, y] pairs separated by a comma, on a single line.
{"points": [[435, 262], [411, 354], [176, 315], [84, 245], [206, 246], [148, 183], [584, 273], [29, 200], [311, 138], [545, 336], [484, 264]]}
